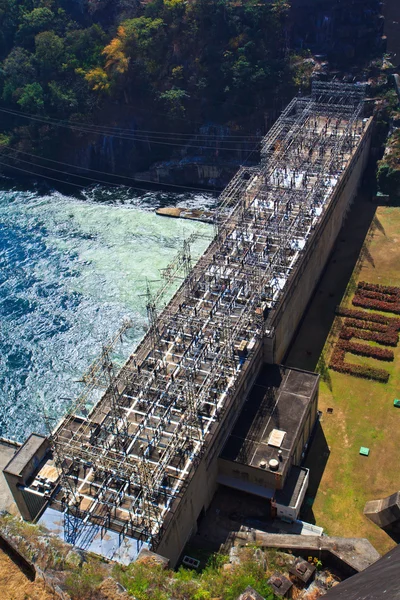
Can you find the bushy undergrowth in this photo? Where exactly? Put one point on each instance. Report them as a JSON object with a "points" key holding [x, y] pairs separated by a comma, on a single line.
{"points": [[82, 576], [218, 580], [82, 582]]}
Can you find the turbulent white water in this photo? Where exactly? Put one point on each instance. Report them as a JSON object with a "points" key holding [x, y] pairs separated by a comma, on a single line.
{"points": [[70, 271]]}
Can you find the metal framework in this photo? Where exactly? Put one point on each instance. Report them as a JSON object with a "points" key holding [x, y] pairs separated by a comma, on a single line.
{"points": [[125, 463]]}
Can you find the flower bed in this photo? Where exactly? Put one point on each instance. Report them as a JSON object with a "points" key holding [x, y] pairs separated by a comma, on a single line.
{"points": [[372, 327], [377, 296]]}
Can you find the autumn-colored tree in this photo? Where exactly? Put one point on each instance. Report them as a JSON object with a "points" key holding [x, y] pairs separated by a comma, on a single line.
{"points": [[114, 52], [98, 80]]}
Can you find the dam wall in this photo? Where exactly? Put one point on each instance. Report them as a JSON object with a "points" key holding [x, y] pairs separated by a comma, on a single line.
{"points": [[283, 322]]}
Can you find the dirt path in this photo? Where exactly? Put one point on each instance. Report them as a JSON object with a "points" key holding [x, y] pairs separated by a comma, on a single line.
{"points": [[14, 585]]}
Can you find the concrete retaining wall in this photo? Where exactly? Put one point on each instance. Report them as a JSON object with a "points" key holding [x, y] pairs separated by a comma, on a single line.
{"points": [[348, 555]]}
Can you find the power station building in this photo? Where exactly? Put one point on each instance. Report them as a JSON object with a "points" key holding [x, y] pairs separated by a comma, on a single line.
{"points": [[203, 401]]}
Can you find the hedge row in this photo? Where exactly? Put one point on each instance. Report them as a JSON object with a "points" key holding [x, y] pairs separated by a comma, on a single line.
{"points": [[365, 350], [358, 324], [392, 298], [338, 364], [391, 307], [387, 338], [376, 287], [364, 316]]}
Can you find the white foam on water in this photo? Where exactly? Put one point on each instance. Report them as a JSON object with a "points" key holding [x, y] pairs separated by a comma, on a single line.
{"points": [[70, 272]]}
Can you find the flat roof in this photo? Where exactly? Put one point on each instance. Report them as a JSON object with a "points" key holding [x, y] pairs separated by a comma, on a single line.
{"points": [[279, 400], [22, 457], [290, 492]]}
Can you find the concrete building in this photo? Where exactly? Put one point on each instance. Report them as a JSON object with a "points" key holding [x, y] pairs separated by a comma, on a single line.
{"points": [[22, 469], [263, 454], [195, 407]]}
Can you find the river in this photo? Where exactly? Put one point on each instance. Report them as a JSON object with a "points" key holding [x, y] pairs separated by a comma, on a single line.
{"points": [[71, 270]]}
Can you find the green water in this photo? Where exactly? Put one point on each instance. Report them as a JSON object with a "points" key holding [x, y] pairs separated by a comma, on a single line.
{"points": [[70, 271]]}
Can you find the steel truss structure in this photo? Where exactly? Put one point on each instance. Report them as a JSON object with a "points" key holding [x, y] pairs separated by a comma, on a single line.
{"points": [[124, 464]]}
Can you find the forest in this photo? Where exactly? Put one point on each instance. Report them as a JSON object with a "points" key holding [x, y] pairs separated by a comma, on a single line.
{"points": [[156, 65]]}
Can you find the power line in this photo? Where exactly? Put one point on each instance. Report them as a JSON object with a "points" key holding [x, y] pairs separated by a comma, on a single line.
{"points": [[46, 177], [132, 137], [157, 133], [119, 185], [175, 185]]}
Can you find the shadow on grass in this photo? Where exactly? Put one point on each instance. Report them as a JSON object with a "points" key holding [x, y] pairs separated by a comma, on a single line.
{"points": [[315, 460], [336, 281], [378, 225]]}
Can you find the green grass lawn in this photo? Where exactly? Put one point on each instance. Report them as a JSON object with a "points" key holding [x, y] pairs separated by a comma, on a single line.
{"points": [[363, 412]]}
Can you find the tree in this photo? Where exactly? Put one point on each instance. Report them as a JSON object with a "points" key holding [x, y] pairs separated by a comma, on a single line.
{"points": [[97, 79], [49, 51], [39, 19], [116, 59], [18, 70], [31, 98], [9, 18], [84, 47], [174, 100], [62, 97]]}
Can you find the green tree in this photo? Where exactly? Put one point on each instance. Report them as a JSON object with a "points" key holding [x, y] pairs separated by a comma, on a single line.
{"points": [[62, 98], [49, 52], [174, 100], [84, 47], [18, 70], [31, 98], [39, 19], [9, 19]]}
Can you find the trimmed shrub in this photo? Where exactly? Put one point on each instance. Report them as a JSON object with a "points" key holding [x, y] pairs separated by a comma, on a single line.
{"points": [[377, 287], [378, 297], [358, 324], [367, 316], [387, 339], [338, 364], [391, 307], [368, 351]]}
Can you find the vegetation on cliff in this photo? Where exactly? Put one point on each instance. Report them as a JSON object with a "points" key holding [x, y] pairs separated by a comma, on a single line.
{"points": [[388, 172], [101, 62]]}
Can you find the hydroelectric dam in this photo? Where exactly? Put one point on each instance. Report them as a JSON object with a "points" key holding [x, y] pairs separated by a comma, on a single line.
{"points": [[203, 401]]}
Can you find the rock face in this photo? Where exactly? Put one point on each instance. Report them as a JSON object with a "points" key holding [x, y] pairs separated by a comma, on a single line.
{"points": [[385, 512]]}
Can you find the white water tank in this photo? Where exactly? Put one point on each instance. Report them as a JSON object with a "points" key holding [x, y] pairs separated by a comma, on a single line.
{"points": [[273, 464]]}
